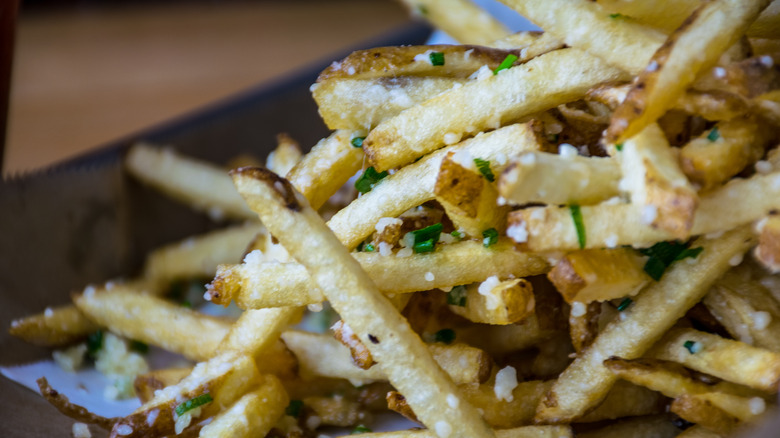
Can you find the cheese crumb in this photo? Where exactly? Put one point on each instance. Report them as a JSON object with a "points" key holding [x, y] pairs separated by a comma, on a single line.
{"points": [[80, 430], [384, 222], [385, 249], [577, 309], [611, 241], [506, 382], [124, 430], [451, 138], [736, 260], [761, 320], [763, 166], [518, 232], [486, 288], [452, 401], [429, 276], [719, 72], [404, 252], [757, 405], [566, 150], [649, 214], [443, 429]]}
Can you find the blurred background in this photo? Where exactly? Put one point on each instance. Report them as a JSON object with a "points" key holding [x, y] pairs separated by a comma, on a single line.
{"points": [[88, 72]]}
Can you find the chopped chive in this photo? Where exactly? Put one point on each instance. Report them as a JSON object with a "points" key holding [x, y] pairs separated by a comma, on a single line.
{"points": [[360, 429], [693, 347], [624, 304], [457, 234], [431, 232], [506, 63], [94, 343], [445, 336], [655, 268], [369, 247], [357, 142], [186, 304], [614, 16], [457, 296], [489, 237], [369, 179], [714, 134], [663, 254], [437, 58], [139, 347], [484, 168], [193, 403], [689, 252], [619, 147], [294, 408], [424, 246], [579, 225]]}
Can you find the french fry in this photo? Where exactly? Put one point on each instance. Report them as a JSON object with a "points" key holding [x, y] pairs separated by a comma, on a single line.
{"points": [[359, 353], [768, 250], [252, 415], [698, 431], [468, 198], [460, 19], [274, 284], [199, 256], [321, 355], [154, 321], [587, 380], [530, 43], [337, 411], [507, 302], [146, 384], [583, 180], [413, 185], [741, 201], [514, 93], [518, 432], [503, 339], [286, 155], [55, 327], [586, 25], [584, 325], [202, 186], [598, 275], [649, 426], [702, 412], [403, 356], [653, 177], [331, 162], [721, 153], [730, 360]]}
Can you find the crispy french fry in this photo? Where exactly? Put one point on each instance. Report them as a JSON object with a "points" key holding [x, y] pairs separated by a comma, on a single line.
{"points": [[331, 162], [201, 185], [53, 328], [499, 303], [741, 201], [274, 284], [146, 384], [587, 380], [503, 339], [512, 94], [359, 353], [461, 19], [413, 185], [403, 356], [584, 324], [252, 415], [698, 431], [583, 180], [286, 155], [598, 275], [530, 43], [702, 412], [586, 25], [768, 250], [638, 427], [518, 432], [695, 46], [154, 321], [730, 360]]}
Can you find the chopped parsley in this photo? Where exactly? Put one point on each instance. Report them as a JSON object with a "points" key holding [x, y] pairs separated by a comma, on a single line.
{"points": [[193, 403], [437, 58], [294, 408], [187, 304], [484, 168], [615, 16], [369, 179], [357, 142], [506, 63], [425, 238], [457, 234], [693, 347], [624, 304], [94, 343], [579, 225], [369, 247], [139, 347], [619, 147], [360, 429], [663, 254], [444, 335], [457, 296], [489, 237], [714, 134]]}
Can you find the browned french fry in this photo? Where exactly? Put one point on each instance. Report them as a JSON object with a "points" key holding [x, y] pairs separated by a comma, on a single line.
{"points": [[497, 302], [587, 380], [338, 411], [698, 431], [704, 413], [359, 353], [584, 324], [252, 415], [146, 384], [53, 328]]}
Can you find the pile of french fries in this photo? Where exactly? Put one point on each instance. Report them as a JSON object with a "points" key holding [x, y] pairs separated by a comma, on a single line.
{"points": [[572, 232]]}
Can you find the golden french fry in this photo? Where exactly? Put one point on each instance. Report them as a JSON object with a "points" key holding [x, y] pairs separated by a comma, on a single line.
{"points": [[512, 94], [518, 432], [654, 310], [252, 415], [659, 426], [768, 250], [286, 155], [377, 323], [146, 384], [702, 412], [461, 19], [698, 431], [584, 325], [497, 302], [55, 327]]}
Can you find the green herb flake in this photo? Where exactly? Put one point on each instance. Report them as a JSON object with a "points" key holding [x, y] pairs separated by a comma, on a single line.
{"points": [[360, 429], [689, 252], [446, 336], [369, 247], [619, 147], [579, 225], [186, 304], [94, 343], [484, 168], [357, 142], [693, 347], [424, 246], [294, 408], [506, 63], [663, 254], [431, 232], [489, 237], [437, 58], [624, 304], [369, 179], [422, 9], [457, 234], [193, 403], [139, 347], [615, 16], [457, 296], [714, 134]]}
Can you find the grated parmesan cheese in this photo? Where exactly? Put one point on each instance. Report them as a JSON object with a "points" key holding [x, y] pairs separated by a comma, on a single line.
{"points": [[649, 214], [443, 429], [518, 232], [506, 382], [761, 320], [80, 430], [384, 222], [429, 276], [577, 309]]}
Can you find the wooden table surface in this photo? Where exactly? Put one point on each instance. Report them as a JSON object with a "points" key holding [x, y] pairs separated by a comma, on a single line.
{"points": [[86, 76]]}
